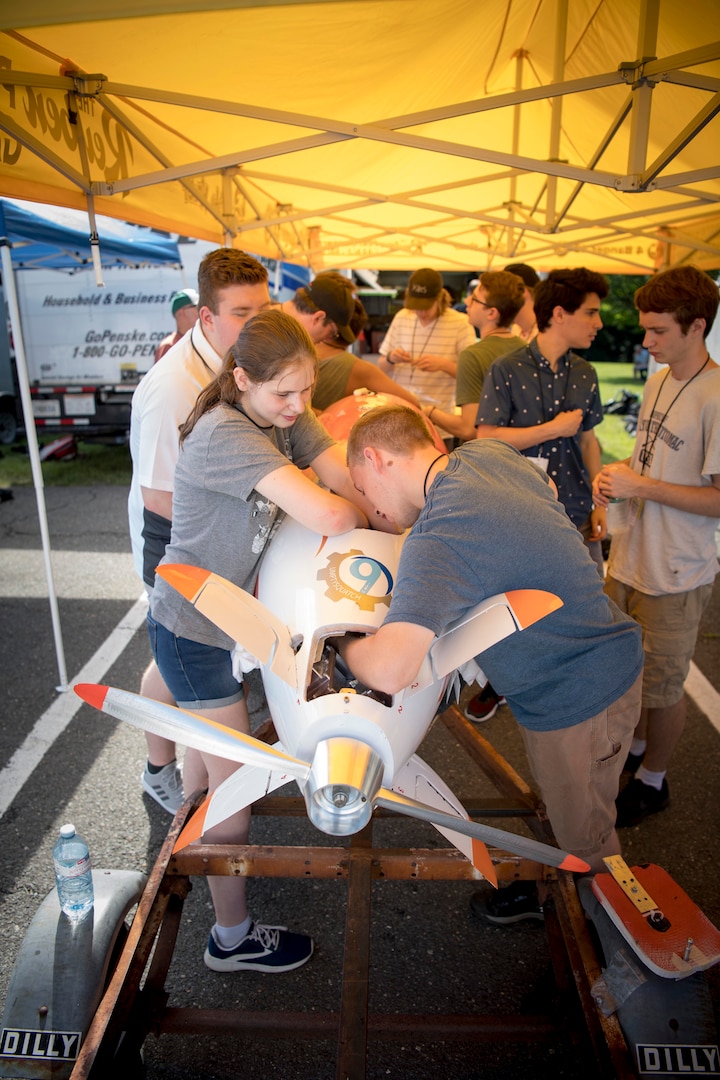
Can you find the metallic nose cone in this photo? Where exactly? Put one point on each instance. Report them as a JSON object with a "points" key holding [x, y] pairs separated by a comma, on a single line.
{"points": [[345, 778]]}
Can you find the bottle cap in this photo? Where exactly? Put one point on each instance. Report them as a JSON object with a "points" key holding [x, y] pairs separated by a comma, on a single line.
{"points": [[67, 831]]}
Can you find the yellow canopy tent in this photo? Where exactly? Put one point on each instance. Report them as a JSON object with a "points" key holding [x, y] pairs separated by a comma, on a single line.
{"points": [[377, 133]]}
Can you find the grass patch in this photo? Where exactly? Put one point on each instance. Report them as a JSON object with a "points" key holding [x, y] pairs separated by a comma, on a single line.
{"points": [[95, 464], [100, 464], [614, 440]]}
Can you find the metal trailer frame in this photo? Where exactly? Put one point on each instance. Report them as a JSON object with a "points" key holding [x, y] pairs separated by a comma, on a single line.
{"points": [[136, 1003]]}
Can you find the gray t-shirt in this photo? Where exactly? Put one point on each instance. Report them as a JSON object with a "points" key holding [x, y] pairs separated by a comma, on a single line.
{"points": [[490, 524], [678, 440], [220, 522]]}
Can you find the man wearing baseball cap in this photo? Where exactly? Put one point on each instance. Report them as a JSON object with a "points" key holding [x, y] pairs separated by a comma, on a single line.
{"points": [[325, 307], [184, 307], [421, 347]]}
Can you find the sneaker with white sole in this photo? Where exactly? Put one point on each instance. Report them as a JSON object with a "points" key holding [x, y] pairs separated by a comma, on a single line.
{"points": [[484, 705], [264, 948], [165, 787]]}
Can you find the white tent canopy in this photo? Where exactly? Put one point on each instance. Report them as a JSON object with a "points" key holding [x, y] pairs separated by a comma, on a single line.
{"points": [[385, 134]]}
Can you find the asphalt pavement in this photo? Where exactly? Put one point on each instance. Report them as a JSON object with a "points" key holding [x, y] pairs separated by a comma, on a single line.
{"points": [[63, 764]]}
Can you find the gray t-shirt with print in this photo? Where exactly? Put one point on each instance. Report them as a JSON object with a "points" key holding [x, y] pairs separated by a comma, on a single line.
{"points": [[220, 522], [667, 550]]}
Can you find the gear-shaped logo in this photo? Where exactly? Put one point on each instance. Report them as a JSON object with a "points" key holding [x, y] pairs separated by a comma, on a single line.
{"points": [[355, 576]]}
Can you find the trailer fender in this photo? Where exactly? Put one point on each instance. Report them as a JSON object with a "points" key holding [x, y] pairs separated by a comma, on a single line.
{"points": [[668, 1025], [59, 977]]}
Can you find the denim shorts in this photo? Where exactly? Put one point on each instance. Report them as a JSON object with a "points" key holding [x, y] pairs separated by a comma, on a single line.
{"points": [[198, 676]]}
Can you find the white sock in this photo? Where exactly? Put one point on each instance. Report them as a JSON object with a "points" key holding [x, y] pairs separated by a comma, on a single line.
{"points": [[652, 779], [638, 747], [229, 936]]}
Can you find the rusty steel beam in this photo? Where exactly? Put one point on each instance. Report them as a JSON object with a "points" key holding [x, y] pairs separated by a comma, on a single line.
{"points": [[486, 757], [353, 1033], [127, 1008], [390, 864], [611, 1053], [294, 806], [428, 1027], [117, 1003]]}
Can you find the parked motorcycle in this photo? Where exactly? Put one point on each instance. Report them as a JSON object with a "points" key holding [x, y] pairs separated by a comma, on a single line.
{"points": [[625, 404]]}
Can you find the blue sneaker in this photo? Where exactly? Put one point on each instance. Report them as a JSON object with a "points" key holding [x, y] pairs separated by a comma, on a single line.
{"points": [[264, 948], [515, 903]]}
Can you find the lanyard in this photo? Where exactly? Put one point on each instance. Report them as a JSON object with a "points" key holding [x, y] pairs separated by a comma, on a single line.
{"points": [[198, 353], [427, 339], [281, 434], [646, 454]]}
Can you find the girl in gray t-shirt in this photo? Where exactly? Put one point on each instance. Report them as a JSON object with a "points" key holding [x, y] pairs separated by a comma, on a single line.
{"points": [[243, 449]]}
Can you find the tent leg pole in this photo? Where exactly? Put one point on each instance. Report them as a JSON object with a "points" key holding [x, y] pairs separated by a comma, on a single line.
{"points": [[33, 450]]}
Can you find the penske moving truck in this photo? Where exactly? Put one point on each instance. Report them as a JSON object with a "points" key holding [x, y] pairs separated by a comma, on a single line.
{"points": [[84, 308], [87, 347]]}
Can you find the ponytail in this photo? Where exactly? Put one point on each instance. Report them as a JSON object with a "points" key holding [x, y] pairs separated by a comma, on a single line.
{"points": [[222, 390]]}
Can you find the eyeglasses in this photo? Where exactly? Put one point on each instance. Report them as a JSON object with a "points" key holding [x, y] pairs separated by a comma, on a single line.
{"points": [[473, 299]]}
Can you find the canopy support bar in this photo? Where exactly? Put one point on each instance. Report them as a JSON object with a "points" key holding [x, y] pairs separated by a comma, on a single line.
{"points": [[34, 452], [642, 89], [556, 108]]}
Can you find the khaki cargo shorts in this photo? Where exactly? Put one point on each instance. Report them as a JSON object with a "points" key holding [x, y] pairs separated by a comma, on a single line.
{"points": [[669, 633]]}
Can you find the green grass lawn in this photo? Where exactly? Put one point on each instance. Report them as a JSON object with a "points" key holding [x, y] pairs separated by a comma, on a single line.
{"points": [[95, 464], [615, 442], [98, 464]]}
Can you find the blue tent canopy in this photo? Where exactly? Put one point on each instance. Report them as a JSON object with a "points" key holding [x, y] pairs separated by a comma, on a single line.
{"points": [[37, 241], [294, 276]]}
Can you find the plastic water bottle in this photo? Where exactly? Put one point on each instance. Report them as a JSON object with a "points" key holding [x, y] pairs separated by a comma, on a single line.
{"points": [[73, 874]]}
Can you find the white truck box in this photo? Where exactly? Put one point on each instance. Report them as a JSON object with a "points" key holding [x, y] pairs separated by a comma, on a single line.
{"points": [[87, 346]]}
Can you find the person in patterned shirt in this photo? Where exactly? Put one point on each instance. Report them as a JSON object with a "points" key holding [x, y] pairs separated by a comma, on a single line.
{"points": [[544, 400], [421, 348]]}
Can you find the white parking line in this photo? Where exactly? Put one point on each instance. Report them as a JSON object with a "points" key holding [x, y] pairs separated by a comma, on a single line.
{"points": [[704, 695], [54, 720]]}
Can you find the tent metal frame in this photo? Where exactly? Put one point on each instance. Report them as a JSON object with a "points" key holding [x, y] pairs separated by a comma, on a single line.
{"points": [[444, 224]]}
